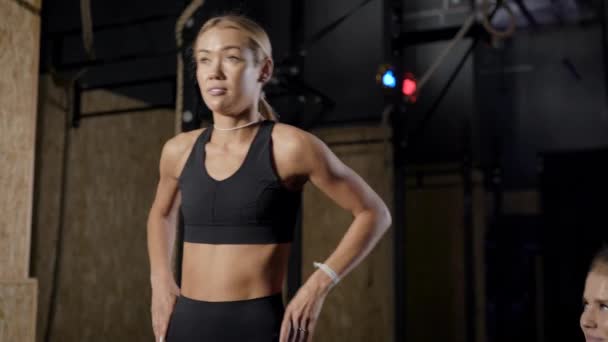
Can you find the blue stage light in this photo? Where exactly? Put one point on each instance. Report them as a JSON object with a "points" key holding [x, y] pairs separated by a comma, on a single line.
{"points": [[388, 79]]}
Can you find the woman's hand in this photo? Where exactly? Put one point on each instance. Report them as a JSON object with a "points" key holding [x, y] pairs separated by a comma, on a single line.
{"points": [[164, 294], [302, 312]]}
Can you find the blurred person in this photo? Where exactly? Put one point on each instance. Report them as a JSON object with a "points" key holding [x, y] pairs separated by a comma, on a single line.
{"points": [[594, 319]]}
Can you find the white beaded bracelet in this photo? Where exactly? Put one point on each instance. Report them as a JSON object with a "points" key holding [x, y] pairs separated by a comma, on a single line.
{"points": [[331, 273]]}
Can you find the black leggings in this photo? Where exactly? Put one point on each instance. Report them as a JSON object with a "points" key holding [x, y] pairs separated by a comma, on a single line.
{"points": [[254, 320]]}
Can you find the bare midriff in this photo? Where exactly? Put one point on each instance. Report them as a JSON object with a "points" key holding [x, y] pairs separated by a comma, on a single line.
{"points": [[226, 272]]}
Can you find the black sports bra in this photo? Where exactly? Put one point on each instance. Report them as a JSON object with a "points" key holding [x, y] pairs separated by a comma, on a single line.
{"points": [[249, 207]]}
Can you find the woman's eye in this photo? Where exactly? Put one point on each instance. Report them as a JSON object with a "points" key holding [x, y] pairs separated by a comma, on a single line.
{"points": [[234, 58], [604, 307], [203, 59]]}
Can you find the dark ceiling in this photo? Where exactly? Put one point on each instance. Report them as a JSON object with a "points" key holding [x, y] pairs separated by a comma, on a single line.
{"points": [[135, 49]]}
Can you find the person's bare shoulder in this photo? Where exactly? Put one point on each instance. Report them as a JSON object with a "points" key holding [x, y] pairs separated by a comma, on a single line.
{"points": [[307, 154], [294, 146], [176, 150]]}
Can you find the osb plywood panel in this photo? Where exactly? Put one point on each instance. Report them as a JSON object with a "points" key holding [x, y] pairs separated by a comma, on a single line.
{"points": [[103, 292], [435, 259], [360, 308], [18, 310], [435, 264], [19, 50], [35, 3], [32, 4]]}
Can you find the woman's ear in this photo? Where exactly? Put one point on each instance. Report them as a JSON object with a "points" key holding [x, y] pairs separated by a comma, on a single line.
{"points": [[266, 71]]}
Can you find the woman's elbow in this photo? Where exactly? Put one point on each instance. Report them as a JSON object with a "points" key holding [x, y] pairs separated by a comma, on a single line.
{"points": [[386, 219], [382, 216]]}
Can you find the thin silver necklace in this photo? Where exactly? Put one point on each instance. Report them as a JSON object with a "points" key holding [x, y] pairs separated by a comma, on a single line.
{"points": [[237, 127]]}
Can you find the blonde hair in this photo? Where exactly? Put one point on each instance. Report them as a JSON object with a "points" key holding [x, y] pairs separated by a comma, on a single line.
{"points": [[259, 43]]}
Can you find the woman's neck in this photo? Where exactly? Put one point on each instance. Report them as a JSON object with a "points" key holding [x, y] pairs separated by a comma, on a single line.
{"points": [[223, 122], [229, 129]]}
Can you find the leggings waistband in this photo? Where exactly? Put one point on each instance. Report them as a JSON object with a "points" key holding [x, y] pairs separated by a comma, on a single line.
{"points": [[272, 297]]}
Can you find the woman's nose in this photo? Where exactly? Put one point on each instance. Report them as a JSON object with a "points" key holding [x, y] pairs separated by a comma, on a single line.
{"points": [[588, 319], [215, 70]]}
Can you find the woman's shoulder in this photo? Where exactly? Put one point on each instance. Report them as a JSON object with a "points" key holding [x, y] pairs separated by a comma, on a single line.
{"points": [[176, 150], [176, 146], [295, 137], [292, 139], [294, 143], [289, 134]]}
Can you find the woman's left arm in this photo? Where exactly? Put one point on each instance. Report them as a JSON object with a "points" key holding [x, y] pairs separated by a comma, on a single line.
{"points": [[371, 220]]}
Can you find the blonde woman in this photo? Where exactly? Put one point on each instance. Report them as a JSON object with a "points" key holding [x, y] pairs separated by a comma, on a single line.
{"points": [[238, 184], [594, 318]]}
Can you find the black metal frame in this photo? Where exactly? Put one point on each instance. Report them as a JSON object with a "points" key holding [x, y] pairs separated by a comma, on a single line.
{"points": [[467, 167], [28, 6], [114, 60], [57, 40], [604, 22], [122, 24], [60, 237], [78, 116], [393, 10], [294, 271], [403, 144], [409, 38]]}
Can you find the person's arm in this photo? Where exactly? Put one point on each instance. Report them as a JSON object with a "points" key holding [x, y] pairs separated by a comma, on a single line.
{"points": [[161, 231], [371, 220], [162, 221], [346, 188]]}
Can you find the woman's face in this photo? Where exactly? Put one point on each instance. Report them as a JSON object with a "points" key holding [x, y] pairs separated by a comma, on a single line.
{"points": [[594, 319], [228, 76]]}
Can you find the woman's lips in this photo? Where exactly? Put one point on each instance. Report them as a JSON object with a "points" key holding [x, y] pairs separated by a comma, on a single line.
{"points": [[216, 91], [594, 339]]}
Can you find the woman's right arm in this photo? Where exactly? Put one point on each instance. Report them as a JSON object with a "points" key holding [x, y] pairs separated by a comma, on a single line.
{"points": [[161, 229]]}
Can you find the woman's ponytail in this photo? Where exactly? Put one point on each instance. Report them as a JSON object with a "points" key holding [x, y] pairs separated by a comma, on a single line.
{"points": [[266, 109]]}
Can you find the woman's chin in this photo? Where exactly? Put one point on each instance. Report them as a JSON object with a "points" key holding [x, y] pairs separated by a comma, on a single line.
{"points": [[224, 110], [219, 108]]}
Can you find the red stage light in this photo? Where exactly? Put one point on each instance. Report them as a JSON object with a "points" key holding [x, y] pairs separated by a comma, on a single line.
{"points": [[409, 87]]}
